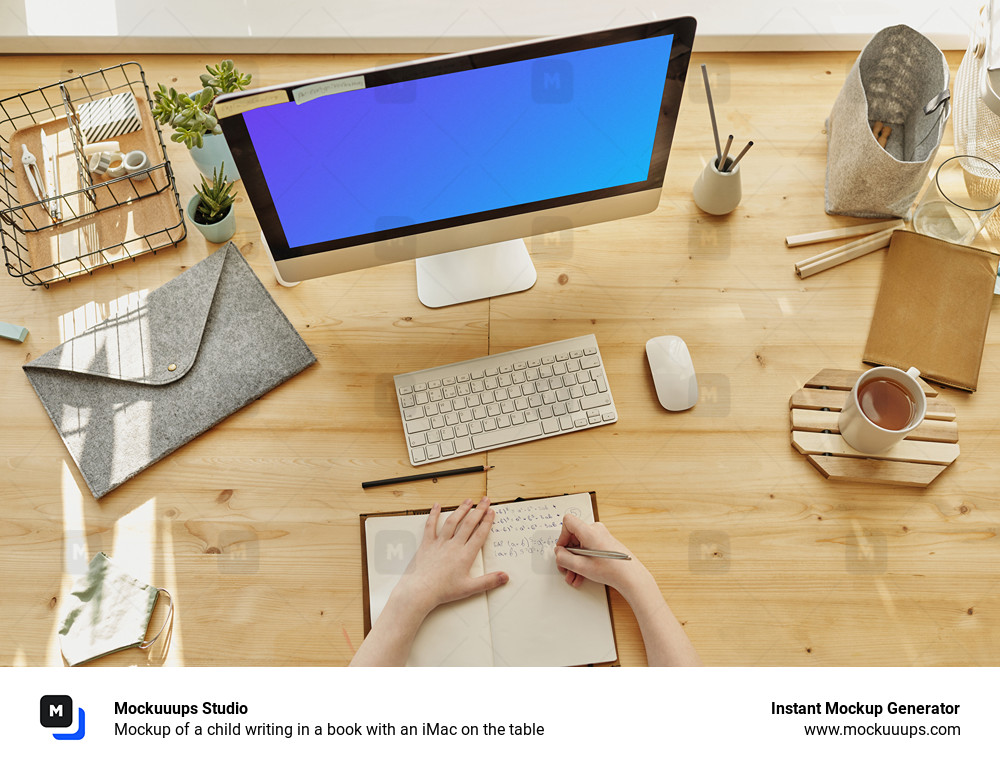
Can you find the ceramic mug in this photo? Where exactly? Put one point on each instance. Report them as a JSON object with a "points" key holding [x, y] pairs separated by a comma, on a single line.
{"points": [[861, 432]]}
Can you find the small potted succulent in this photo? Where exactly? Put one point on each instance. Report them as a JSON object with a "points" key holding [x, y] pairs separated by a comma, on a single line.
{"points": [[192, 116], [211, 209]]}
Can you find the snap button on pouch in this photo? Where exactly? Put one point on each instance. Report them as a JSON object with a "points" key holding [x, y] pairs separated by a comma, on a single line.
{"points": [[171, 367]]}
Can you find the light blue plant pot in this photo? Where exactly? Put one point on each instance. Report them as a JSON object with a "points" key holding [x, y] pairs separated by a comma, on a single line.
{"points": [[214, 153], [221, 231]]}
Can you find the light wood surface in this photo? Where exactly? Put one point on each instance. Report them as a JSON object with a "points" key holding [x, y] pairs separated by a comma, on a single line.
{"points": [[254, 526]]}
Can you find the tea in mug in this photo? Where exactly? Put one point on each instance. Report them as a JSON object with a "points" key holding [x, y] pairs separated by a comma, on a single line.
{"points": [[886, 403]]}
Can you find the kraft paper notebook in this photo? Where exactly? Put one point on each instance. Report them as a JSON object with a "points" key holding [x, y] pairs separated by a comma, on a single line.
{"points": [[536, 619], [134, 388], [933, 309]]}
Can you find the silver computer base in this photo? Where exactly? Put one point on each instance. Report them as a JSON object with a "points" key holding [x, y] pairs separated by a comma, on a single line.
{"points": [[474, 273]]}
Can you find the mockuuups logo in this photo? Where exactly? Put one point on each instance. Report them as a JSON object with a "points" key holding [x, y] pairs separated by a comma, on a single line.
{"points": [[56, 711]]}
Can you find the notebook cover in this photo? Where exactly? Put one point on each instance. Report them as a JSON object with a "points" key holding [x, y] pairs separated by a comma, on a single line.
{"points": [[366, 597], [933, 309]]}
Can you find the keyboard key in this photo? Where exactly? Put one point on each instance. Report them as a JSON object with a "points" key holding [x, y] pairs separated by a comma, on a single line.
{"points": [[595, 400], [542, 385], [460, 403], [463, 378], [416, 440], [517, 418], [562, 395], [559, 409], [450, 392], [590, 362], [527, 389], [521, 403], [549, 398], [507, 407], [573, 406], [503, 421], [504, 380], [594, 416], [451, 419], [433, 436], [479, 413], [461, 430], [545, 371], [475, 427], [420, 398], [583, 376], [573, 366], [493, 409], [562, 357], [559, 369], [590, 350], [608, 416], [550, 425], [513, 392], [418, 455], [602, 382], [545, 411], [576, 354], [531, 374], [555, 383], [465, 416], [447, 433], [535, 400], [500, 395], [464, 390], [413, 412], [534, 363], [580, 422], [513, 434], [447, 448], [489, 424], [491, 382], [473, 400], [506, 368], [487, 397], [590, 388], [420, 387], [478, 374], [448, 381], [565, 422], [406, 390], [520, 365], [435, 384], [569, 380], [435, 395], [478, 386], [530, 415], [445, 407], [420, 424], [433, 453], [437, 422], [576, 392], [492, 371], [407, 401], [517, 378], [463, 445], [548, 360]]}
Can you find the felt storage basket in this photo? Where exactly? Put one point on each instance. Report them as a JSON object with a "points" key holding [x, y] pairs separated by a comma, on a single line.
{"points": [[897, 75]]}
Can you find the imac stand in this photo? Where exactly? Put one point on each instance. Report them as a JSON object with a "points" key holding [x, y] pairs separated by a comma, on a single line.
{"points": [[274, 266], [468, 275]]}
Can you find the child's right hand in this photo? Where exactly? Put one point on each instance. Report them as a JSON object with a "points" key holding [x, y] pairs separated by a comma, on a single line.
{"points": [[621, 574]]}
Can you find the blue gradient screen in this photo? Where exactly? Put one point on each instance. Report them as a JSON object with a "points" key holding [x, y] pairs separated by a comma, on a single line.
{"points": [[449, 145]]}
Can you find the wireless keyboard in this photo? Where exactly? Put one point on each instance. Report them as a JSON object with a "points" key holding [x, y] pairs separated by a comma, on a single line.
{"points": [[504, 399]]}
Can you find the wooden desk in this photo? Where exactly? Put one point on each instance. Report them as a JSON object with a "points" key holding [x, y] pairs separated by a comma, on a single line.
{"points": [[254, 526]]}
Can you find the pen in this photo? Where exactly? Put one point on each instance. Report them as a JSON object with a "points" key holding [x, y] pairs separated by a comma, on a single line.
{"points": [[711, 111], [599, 553], [429, 475]]}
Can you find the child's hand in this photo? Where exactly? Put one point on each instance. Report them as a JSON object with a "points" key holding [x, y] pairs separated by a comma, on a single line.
{"points": [[439, 571]]}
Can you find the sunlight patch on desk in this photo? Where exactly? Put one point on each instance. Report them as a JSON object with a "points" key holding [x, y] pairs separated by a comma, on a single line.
{"points": [[165, 577], [75, 554], [134, 544], [84, 317]]}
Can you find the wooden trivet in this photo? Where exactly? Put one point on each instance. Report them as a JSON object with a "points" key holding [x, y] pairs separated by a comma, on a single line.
{"points": [[916, 461]]}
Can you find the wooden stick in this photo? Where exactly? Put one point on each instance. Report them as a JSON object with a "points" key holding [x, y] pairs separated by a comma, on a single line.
{"points": [[864, 247], [794, 240], [841, 249]]}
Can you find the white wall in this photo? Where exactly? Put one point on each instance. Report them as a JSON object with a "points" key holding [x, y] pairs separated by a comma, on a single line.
{"points": [[387, 26]]}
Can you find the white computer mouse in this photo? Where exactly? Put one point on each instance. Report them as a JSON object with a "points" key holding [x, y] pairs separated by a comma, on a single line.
{"points": [[673, 372]]}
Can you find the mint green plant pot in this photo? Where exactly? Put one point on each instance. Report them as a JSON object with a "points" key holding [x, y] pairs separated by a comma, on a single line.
{"points": [[221, 231], [213, 153]]}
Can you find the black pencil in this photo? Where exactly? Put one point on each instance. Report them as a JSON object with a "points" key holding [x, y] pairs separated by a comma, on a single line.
{"points": [[429, 475]]}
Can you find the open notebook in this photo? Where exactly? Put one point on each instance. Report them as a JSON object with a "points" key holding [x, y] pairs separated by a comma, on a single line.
{"points": [[536, 619]]}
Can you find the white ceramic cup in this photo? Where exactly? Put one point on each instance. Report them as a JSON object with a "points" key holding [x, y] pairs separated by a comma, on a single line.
{"points": [[867, 437], [717, 192]]}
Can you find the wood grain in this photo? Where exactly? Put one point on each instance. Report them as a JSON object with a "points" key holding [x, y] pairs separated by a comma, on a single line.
{"points": [[254, 526]]}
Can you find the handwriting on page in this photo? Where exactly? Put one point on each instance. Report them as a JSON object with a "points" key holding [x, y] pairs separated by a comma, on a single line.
{"points": [[527, 530]]}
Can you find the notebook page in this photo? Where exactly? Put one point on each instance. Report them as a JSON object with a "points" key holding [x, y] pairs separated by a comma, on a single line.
{"points": [[454, 634], [537, 618]]}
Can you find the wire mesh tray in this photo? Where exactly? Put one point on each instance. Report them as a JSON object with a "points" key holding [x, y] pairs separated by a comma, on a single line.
{"points": [[100, 223]]}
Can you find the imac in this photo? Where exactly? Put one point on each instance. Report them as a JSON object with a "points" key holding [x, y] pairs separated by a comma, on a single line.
{"points": [[451, 160]]}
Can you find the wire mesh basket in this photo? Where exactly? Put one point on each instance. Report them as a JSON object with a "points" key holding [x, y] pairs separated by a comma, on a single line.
{"points": [[87, 223]]}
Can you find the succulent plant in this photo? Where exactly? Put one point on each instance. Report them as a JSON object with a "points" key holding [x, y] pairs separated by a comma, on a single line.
{"points": [[215, 197], [192, 116]]}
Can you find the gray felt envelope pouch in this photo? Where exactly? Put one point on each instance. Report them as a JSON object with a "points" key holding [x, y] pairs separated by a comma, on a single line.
{"points": [[134, 388]]}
